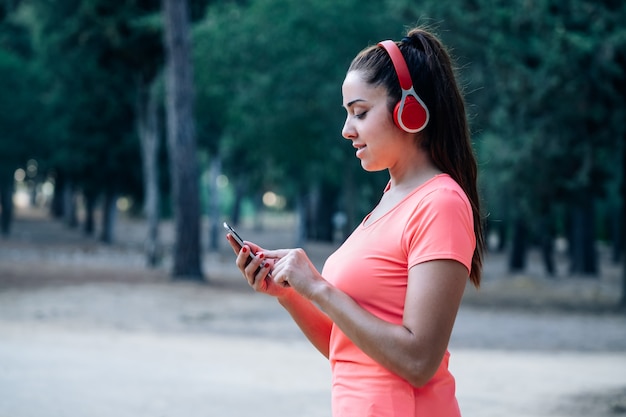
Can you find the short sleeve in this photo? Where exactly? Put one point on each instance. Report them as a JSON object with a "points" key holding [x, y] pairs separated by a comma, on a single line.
{"points": [[441, 227]]}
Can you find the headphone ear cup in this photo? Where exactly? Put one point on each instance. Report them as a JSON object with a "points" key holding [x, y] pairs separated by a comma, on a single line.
{"points": [[414, 115]]}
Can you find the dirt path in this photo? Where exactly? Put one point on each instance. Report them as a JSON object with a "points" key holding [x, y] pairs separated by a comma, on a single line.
{"points": [[85, 329]]}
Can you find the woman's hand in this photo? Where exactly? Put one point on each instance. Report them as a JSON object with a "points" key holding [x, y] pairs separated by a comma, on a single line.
{"points": [[256, 269], [293, 268]]}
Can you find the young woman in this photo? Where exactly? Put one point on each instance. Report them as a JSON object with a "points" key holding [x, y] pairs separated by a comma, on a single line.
{"points": [[383, 307]]}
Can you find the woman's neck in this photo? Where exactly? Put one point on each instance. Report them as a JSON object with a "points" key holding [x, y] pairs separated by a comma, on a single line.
{"points": [[412, 175]]}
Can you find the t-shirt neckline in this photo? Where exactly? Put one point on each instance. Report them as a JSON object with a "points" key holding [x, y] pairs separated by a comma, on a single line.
{"points": [[363, 224]]}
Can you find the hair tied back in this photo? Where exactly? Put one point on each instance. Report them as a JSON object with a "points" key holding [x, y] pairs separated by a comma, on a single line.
{"points": [[415, 41]]}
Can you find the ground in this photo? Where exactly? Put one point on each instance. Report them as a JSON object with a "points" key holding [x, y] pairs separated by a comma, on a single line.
{"points": [[87, 329]]}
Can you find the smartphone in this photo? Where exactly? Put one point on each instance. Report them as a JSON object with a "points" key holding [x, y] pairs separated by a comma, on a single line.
{"points": [[238, 239], [234, 234]]}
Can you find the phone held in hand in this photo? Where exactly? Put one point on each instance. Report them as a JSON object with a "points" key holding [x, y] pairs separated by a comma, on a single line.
{"points": [[238, 239], [234, 234]]}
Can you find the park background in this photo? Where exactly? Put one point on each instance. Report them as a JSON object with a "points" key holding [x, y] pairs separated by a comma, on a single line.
{"points": [[131, 130]]}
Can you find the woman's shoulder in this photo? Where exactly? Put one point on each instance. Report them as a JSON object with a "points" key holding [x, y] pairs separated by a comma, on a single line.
{"points": [[440, 194], [442, 184]]}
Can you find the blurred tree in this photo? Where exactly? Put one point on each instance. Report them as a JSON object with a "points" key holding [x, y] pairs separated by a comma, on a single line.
{"points": [[147, 52], [148, 130], [18, 110], [545, 87], [587, 125], [546, 113], [87, 52], [273, 82], [182, 140]]}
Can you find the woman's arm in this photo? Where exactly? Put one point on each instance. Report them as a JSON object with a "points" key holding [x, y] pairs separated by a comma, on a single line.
{"points": [[414, 349], [315, 325]]}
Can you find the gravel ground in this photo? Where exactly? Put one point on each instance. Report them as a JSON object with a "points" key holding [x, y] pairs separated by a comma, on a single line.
{"points": [[86, 329]]}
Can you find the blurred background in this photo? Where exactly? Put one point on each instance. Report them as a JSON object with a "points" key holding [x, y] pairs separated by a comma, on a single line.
{"points": [[129, 131], [227, 109]]}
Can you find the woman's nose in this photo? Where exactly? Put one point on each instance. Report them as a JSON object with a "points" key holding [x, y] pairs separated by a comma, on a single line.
{"points": [[348, 131]]}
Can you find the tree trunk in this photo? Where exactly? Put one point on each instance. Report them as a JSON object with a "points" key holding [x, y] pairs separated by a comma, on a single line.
{"points": [[617, 232], [311, 210], [623, 222], [109, 214], [6, 202], [327, 207], [502, 236], [69, 202], [148, 131], [58, 208], [320, 209], [90, 208], [547, 254], [623, 299], [584, 258], [214, 203], [546, 236], [182, 141], [517, 261]]}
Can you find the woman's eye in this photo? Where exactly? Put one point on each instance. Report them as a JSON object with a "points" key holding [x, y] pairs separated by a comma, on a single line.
{"points": [[360, 115]]}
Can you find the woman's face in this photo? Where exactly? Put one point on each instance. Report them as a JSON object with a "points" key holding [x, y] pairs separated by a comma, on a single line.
{"points": [[379, 143]]}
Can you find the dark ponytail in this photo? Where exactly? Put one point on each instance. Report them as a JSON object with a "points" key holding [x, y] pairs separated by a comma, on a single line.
{"points": [[446, 138]]}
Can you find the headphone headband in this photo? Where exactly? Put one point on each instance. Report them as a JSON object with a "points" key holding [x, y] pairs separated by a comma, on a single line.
{"points": [[411, 113], [398, 63]]}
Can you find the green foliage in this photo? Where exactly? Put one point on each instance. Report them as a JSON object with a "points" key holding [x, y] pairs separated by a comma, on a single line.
{"points": [[20, 84], [269, 72], [94, 56], [547, 86], [545, 83], [269, 80]]}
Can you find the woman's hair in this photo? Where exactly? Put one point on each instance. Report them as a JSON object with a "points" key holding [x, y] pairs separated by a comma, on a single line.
{"points": [[446, 137]]}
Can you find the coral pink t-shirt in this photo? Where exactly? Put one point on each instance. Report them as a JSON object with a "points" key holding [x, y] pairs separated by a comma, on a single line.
{"points": [[433, 222]]}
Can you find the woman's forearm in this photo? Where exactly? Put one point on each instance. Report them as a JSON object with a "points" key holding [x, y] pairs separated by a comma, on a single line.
{"points": [[315, 325]]}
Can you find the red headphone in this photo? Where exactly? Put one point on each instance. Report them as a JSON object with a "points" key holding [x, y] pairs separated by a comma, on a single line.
{"points": [[410, 114]]}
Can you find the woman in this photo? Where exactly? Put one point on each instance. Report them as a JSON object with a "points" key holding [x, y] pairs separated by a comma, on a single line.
{"points": [[383, 308]]}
